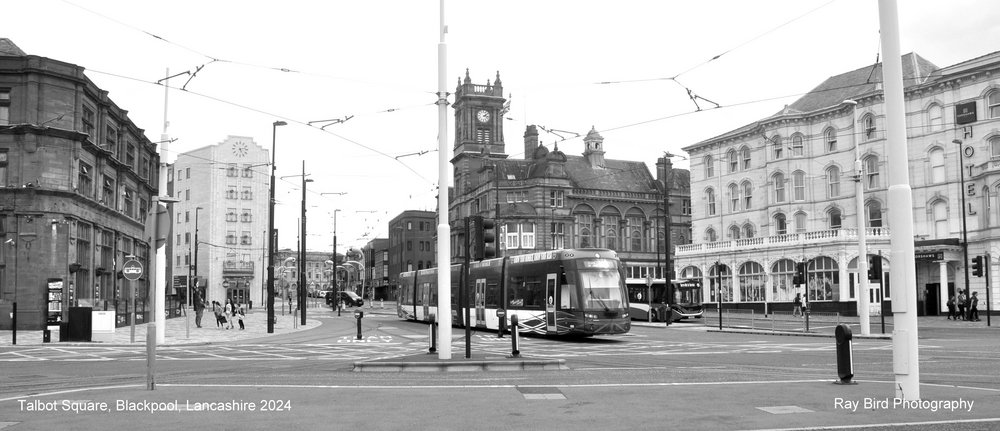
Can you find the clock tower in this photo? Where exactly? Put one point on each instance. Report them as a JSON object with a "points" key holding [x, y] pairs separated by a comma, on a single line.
{"points": [[479, 113]]}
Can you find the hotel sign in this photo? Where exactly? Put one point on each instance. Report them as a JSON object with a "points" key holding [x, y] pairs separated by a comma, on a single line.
{"points": [[965, 113], [929, 255]]}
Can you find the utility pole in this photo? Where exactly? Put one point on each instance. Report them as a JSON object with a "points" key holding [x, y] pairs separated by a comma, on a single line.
{"points": [[905, 352], [443, 229]]}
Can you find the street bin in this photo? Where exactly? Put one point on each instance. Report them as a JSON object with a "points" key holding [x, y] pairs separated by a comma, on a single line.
{"points": [[79, 324]]}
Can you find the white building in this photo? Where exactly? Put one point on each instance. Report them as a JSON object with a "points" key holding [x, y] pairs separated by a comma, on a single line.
{"points": [[782, 190], [229, 183]]}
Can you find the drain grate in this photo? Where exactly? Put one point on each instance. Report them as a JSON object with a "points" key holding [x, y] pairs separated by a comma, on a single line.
{"points": [[784, 410], [541, 393]]}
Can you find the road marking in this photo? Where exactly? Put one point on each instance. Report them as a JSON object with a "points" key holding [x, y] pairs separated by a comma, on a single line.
{"points": [[784, 410], [948, 424]]}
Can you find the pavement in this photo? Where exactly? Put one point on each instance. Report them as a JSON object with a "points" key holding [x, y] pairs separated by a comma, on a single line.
{"points": [[183, 331]]}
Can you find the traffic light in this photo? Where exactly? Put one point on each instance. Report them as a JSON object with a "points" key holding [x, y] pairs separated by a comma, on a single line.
{"points": [[488, 246], [800, 274], [483, 238], [874, 268], [977, 266]]}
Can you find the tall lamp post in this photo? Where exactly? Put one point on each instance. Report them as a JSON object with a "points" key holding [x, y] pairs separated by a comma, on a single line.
{"points": [[195, 281], [965, 233], [271, 236]]}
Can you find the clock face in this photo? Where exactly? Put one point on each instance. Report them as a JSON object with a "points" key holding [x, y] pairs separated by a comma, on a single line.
{"points": [[483, 116], [240, 149]]}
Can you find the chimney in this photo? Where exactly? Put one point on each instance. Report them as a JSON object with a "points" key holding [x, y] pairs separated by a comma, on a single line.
{"points": [[530, 141]]}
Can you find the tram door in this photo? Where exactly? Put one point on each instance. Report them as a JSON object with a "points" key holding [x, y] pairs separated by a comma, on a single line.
{"points": [[550, 302], [425, 299], [481, 302]]}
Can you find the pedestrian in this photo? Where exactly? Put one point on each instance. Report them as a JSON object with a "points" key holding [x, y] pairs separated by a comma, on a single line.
{"points": [[961, 305], [250, 304], [239, 317], [951, 308], [228, 312], [199, 308], [974, 307], [797, 305], [220, 320]]}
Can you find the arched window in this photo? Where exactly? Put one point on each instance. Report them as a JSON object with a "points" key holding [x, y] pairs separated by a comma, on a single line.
{"points": [[936, 160], [782, 272], [935, 117], [710, 235], [823, 279], [831, 139], [748, 231], [869, 122], [584, 220], [747, 195], [995, 148], [746, 157], [800, 222], [780, 224], [611, 238], [779, 187], [939, 211], [734, 198], [734, 232], [832, 182], [634, 221], [733, 159], [751, 279], [797, 147], [993, 104], [799, 185], [874, 211], [710, 199], [709, 168], [720, 292], [777, 150], [835, 218], [871, 172]]}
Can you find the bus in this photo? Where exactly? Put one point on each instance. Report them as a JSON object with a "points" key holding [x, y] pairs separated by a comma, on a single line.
{"points": [[680, 300], [573, 292]]}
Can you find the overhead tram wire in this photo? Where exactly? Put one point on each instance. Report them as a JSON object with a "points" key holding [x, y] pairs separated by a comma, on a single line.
{"points": [[266, 113], [222, 60]]}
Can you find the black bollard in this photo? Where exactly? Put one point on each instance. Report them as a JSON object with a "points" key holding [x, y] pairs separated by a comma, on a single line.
{"points": [[845, 355], [502, 314], [514, 352], [433, 337], [13, 324], [358, 314]]}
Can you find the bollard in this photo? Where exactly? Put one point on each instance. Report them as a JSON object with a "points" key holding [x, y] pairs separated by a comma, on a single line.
{"points": [[502, 315], [433, 337], [13, 324], [151, 356], [845, 355], [514, 352], [358, 314]]}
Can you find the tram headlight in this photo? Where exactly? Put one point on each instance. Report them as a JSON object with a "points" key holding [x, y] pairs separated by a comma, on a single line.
{"points": [[591, 316], [625, 315]]}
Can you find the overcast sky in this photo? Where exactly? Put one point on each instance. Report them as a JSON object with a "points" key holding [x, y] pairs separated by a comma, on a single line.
{"points": [[306, 60]]}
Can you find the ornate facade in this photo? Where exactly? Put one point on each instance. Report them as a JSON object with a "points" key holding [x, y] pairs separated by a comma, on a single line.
{"points": [[787, 188], [551, 200]]}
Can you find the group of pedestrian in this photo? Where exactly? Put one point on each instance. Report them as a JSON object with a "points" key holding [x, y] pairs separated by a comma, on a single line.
{"points": [[968, 307], [228, 314]]}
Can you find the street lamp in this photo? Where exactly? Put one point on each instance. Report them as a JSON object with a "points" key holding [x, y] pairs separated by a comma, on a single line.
{"points": [[270, 230], [195, 282], [965, 234]]}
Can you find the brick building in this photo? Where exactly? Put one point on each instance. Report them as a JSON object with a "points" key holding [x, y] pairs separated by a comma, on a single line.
{"points": [[551, 200], [76, 181]]}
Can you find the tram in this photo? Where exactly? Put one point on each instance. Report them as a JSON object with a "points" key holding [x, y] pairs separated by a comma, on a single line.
{"points": [[574, 292]]}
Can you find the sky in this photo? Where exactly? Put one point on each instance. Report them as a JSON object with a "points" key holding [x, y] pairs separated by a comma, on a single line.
{"points": [[625, 68]]}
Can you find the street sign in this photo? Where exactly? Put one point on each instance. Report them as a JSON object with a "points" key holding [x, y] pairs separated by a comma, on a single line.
{"points": [[225, 284], [132, 270]]}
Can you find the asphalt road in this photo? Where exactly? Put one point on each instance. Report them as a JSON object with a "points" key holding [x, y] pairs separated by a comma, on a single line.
{"points": [[654, 377]]}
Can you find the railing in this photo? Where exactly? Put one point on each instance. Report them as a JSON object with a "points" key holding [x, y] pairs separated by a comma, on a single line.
{"points": [[784, 240], [778, 321], [241, 266]]}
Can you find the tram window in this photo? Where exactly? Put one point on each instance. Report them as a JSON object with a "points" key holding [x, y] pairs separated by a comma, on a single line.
{"points": [[492, 295], [601, 289], [526, 292]]}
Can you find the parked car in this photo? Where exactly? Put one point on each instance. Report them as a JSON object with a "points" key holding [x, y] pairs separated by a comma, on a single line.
{"points": [[350, 299]]}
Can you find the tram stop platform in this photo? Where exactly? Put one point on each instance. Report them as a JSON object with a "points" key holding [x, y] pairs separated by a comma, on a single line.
{"points": [[429, 362]]}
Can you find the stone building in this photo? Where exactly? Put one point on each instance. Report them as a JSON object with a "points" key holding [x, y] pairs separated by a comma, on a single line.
{"points": [[551, 200], [376, 256], [76, 181], [411, 244], [221, 217], [800, 185]]}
